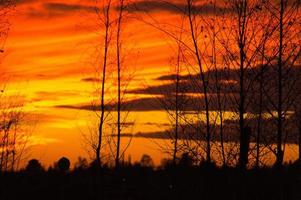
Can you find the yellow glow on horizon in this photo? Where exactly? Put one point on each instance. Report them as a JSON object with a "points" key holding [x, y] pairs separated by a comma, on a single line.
{"points": [[48, 54]]}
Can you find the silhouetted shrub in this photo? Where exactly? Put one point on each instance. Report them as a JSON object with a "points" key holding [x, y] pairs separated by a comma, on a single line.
{"points": [[166, 163], [63, 164], [34, 166], [186, 160], [145, 183], [81, 164], [146, 161]]}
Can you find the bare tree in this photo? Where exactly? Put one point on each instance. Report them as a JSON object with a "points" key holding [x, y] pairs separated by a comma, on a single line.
{"points": [[177, 108], [118, 58], [5, 8], [260, 78], [284, 5], [249, 46], [103, 14], [280, 89], [297, 122], [194, 31], [242, 48], [175, 102], [111, 17], [13, 135], [286, 18], [15, 130], [260, 105], [213, 29]]}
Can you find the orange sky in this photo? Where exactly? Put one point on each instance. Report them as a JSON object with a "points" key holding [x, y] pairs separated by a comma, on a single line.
{"points": [[51, 48]]}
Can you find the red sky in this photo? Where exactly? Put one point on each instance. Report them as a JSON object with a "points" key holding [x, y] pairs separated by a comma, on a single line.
{"points": [[53, 47]]}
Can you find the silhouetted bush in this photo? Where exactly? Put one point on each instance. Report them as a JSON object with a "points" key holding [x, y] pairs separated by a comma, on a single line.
{"points": [[81, 164], [146, 161], [186, 160], [141, 182], [63, 164], [34, 166], [166, 163]]}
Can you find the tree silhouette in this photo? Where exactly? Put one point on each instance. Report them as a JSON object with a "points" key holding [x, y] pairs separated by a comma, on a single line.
{"points": [[34, 166], [146, 161], [63, 164]]}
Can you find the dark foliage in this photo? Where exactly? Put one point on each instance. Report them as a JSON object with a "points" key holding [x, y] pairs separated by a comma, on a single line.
{"points": [[138, 182], [34, 166], [63, 164]]}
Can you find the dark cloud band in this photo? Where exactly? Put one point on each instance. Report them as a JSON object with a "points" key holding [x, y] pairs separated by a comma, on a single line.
{"points": [[157, 6]]}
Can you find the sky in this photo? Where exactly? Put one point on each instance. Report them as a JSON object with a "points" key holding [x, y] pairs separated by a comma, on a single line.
{"points": [[50, 63]]}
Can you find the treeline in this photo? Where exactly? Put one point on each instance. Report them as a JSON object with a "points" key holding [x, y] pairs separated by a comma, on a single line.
{"points": [[141, 181], [236, 73]]}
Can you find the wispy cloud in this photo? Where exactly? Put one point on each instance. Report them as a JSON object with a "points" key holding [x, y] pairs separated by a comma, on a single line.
{"points": [[91, 79], [140, 104], [172, 7], [40, 140], [65, 8], [190, 103], [52, 9]]}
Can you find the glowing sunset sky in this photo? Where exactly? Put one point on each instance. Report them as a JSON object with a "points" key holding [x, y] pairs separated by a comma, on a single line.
{"points": [[50, 58], [51, 50]]}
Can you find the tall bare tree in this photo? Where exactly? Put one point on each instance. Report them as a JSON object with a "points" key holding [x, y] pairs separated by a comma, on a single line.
{"points": [[280, 153], [177, 108], [286, 18], [118, 57], [260, 77], [213, 30], [14, 132], [242, 49], [175, 104], [194, 23], [103, 13], [13, 138]]}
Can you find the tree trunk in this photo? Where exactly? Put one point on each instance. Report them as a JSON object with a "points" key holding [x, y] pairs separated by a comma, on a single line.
{"points": [[118, 47], [243, 151], [202, 78], [177, 109], [279, 153], [299, 142], [102, 96]]}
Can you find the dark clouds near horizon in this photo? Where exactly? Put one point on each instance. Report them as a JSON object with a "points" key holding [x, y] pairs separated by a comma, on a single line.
{"points": [[136, 7], [162, 96], [197, 132], [62, 7], [172, 7]]}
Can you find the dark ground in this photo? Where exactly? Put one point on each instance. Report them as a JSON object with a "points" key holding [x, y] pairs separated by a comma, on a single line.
{"points": [[141, 183]]}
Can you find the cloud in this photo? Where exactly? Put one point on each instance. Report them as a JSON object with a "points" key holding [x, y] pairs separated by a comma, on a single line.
{"points": [[188, 103], [189, 132], [52, 9], [53, 96], [62, 7], [162, 97], [230, 132], [222, 74], [40, 140], [143, 104], [91, 79], [228, 80], [191, 84], [167, 135], [157, 6], [186, 87], [24, 1]]}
